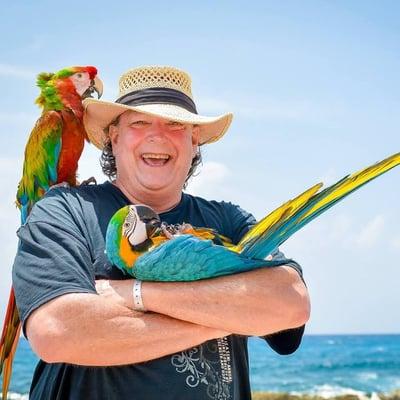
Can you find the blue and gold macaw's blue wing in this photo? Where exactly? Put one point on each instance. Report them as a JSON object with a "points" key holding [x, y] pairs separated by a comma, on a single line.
{"points": [[187, 258], [282, 223]]}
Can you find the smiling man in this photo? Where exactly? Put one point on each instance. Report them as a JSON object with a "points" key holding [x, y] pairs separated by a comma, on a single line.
{"points": [[153, 157], [179, 340]]}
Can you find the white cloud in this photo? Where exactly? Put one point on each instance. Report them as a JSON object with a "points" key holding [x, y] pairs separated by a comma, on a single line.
{"points": [[395, 242], [340, 228], [89, 164], [329, 177], [16, 71], [210, 179], [371, 233]]}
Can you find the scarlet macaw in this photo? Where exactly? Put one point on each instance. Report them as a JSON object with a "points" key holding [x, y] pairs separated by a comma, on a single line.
{"points": [[51, 157]]}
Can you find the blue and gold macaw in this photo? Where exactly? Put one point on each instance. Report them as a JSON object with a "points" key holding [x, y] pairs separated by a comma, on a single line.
{"points": [[141, 246]]}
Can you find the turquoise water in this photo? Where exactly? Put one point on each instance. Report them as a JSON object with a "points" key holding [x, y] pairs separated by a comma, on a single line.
{"points": [[329, 365], [325, 365]]}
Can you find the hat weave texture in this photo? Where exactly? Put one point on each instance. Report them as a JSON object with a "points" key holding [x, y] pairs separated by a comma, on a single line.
{"points": [[155, 77]]}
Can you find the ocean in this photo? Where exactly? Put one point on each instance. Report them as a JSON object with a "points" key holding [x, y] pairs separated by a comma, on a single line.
{"points": [[325, 365]]}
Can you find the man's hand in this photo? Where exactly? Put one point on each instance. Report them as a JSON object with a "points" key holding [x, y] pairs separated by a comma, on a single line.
{"points": [[117, 291], [256, 303]]}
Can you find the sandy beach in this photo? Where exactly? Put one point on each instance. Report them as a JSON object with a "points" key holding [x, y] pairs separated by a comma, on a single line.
{"points": [[395, 395]]}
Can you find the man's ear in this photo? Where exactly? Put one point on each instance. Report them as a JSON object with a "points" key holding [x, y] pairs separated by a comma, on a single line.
{"points": [[113, 134], [195, 138]]}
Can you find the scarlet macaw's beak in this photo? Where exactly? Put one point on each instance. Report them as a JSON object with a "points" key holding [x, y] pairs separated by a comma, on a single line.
{"points": [[96, 85]]}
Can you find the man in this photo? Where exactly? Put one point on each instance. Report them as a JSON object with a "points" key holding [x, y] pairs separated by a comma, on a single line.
{"points": [[176, 340]]}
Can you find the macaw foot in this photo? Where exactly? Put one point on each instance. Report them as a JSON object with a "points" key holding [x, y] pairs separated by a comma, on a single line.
{"points": [[167, 231], [92, 179], [177, 229], [62, 184], [185, 229]]}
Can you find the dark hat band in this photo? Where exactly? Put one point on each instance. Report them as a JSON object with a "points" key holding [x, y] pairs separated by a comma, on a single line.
{"points": [[158, 96]]}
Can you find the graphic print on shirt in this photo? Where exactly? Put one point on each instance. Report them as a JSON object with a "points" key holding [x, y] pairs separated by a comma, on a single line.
{"points": [[208, 364]]}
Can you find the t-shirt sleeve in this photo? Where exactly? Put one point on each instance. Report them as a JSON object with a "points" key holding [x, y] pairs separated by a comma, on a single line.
{"points": [[237, 221], [287, 341], [52, 259]]}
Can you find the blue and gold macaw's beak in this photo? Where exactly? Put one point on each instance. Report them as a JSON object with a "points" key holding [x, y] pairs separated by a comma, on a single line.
{"points": [[140, 225], [150, 219]]}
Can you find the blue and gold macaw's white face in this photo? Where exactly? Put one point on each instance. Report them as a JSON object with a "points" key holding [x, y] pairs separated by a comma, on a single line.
{"points": [[140, 224]]}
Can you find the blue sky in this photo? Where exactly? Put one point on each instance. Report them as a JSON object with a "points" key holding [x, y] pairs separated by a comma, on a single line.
{"points": [[315, 90]]}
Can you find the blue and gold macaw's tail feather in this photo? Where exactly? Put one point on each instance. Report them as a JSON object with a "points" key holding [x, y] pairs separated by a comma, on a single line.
{"points": [[283, 222]]}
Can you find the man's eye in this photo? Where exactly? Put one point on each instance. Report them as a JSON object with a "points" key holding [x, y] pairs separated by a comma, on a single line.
{"points": [[139, 123], [175, 125]]}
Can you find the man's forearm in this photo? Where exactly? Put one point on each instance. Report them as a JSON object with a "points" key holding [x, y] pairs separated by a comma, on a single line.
{"points": [[252, 303], [87, 329]]}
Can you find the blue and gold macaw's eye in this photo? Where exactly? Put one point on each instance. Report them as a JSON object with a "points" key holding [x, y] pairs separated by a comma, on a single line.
{"points": [[129, 225], [134, 227]]}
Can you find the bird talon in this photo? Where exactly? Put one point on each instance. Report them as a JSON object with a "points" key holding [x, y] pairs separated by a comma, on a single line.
{"points": [[62, 185], [166, 230], [88, 181]]}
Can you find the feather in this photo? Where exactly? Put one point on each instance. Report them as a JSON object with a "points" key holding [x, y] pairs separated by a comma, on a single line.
{"points": [[262, 240], [191, 257], [51, 157]]}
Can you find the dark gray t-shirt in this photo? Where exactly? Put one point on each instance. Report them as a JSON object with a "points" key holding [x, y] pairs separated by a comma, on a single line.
{"points": [[62, 251]]}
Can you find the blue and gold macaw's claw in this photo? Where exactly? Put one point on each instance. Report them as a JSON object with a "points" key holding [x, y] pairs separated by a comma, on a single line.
{"points": [[187, 258]]}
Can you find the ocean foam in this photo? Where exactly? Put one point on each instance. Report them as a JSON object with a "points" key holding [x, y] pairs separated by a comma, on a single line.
{"points": [[328, 391], [367, 376], [16, 396]]}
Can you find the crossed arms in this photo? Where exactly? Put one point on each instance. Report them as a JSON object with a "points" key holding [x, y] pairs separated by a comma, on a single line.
{"points": [[103, 329]]}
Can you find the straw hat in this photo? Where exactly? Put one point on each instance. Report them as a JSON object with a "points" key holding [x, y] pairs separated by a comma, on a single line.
{"points": [[160, 91]]}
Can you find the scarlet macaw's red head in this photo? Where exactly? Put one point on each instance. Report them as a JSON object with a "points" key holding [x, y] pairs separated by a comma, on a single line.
{"points": [[68, 87]]}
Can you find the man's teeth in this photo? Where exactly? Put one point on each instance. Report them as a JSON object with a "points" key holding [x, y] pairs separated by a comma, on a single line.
{"points": [[159, 156]]}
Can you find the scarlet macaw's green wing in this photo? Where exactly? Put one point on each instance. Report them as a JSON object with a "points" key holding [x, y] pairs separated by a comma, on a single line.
{"points": [[43, 151]]}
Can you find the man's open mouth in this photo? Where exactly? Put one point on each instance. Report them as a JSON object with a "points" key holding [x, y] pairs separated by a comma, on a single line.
{"points": [[155, 159]]}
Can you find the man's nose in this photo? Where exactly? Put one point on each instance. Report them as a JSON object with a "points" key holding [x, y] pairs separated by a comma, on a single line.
{"points": [[156, 133]]}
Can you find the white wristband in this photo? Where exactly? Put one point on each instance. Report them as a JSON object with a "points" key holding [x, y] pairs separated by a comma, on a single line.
{"points": [[137, 296]]}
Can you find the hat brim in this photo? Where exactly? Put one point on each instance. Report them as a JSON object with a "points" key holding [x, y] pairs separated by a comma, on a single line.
{"points": [[99, 114]]}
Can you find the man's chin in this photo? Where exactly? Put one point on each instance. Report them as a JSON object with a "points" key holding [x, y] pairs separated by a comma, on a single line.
{"points": [[157, 185]]}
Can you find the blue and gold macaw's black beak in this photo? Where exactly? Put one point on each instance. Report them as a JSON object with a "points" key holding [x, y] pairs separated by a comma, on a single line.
{"points": [[150, 218]]}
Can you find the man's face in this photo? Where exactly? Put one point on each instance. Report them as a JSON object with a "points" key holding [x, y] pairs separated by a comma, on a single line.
{"points": [[151, 153]]}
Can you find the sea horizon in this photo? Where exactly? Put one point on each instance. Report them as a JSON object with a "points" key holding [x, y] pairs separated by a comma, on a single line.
{"points": [[325, 365]]}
